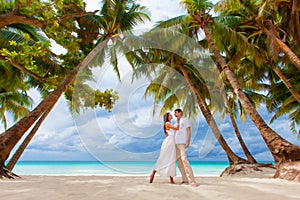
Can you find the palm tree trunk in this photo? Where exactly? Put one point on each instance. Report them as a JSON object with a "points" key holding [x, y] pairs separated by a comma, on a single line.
{"points": [[287, 83], [11, 136], [14, 159], [233, 158], [290, 54], [281, 149], [284, 48], [250, 158], [295, 22]]}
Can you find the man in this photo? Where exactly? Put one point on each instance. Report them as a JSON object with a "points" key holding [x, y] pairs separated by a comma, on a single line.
{"points": [[182, 141]]}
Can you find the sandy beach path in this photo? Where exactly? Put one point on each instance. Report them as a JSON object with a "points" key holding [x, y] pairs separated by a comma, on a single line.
{"points": [[118, 187]]}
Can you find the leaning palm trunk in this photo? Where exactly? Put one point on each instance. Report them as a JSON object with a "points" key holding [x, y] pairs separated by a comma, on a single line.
{"points": [[10, 138], [286, 83], [287, 51], [14, 159], [250, 158], [233, 158], [284, 48], [281, 149]]}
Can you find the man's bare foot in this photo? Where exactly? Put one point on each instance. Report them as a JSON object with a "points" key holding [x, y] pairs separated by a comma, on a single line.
{"points": [[194, 184], [152, 176], [184, 182], [172, 180]]}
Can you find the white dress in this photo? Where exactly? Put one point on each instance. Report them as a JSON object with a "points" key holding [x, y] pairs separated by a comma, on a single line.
{"points": [[166, 162]]}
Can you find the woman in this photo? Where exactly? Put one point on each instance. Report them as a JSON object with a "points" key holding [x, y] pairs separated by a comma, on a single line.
{"points": [[166, 162]]}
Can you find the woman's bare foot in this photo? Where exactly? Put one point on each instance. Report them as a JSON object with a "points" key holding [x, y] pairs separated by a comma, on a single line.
{"points": [[172, 180], [152, 176]]}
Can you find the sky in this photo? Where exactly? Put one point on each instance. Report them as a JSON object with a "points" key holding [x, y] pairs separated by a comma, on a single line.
{"points": [[130, 132]]}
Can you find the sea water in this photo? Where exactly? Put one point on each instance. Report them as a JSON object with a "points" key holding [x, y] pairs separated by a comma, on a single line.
{"points": [[108, 168]]}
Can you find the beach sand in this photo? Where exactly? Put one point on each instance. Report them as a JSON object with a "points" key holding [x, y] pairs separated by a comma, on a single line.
{"points": [[138, 187]]}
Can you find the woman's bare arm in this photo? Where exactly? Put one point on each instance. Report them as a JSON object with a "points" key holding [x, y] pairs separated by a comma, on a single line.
{"points": [[170, 126]]}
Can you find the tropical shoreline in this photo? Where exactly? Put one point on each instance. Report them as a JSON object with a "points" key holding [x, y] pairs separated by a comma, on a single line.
{"points": [[200, 168]]}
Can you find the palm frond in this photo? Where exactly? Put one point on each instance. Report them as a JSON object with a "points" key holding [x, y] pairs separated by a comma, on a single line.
{"points": [[114, 59], [34, 33], [176, 21]]}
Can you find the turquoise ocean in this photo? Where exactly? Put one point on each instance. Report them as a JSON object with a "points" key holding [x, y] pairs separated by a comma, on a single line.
{"points": [[200, 168]]}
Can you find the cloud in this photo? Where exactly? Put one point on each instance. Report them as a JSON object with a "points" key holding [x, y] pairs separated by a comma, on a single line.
{"points": [[56, 155], [56, 134], [158, 9], [92, 5], [106, 141], [225, 126]]}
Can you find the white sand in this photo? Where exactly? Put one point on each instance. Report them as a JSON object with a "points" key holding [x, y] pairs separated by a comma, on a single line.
{"points": [[116, 187]]}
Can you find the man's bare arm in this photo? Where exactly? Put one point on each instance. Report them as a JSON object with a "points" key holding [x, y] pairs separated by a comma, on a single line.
{"points": [[188, 138]]}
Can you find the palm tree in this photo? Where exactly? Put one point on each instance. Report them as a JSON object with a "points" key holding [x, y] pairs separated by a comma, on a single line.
{"points": [[275, 19], [240, 17], [13, 96], [233, 158], [282, 150], [292, 89], [16, 103], [14, 159], [14, 40], [118, 16], [47, 69], [289, 12], [247, 76], [251, 19], [167, 87], [232, 117], [180, 20], [36, 65], [281, 102], [17, 79]]}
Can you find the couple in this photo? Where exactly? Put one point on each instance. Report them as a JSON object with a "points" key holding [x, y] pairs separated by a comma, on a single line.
{"points": [[174, 148]]}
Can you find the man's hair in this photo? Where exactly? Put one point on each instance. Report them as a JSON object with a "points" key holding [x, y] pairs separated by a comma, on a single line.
{"points": [[178, 110]]}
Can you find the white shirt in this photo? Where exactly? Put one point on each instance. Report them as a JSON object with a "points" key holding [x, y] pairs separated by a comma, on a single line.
{"points": [[181, 134]]}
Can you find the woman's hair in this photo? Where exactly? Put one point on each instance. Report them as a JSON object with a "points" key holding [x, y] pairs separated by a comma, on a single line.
{"points": [[166, 119]]}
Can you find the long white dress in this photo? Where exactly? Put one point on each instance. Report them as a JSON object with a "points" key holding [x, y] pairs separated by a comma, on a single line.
{"points": [[166, 162]]}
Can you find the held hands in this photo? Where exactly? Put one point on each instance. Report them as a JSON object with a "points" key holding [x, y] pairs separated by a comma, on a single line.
{"points": [[187, 144]]}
